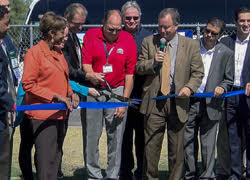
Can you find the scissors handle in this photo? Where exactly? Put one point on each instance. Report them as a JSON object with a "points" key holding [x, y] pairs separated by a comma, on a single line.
{"points": [[108, 85]]}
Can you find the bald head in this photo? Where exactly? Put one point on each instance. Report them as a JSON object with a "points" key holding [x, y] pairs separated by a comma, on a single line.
{"points": [[112, 25], [112, 15]]}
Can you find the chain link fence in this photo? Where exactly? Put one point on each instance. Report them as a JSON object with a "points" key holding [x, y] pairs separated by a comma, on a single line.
{"points": [[25, 36]]}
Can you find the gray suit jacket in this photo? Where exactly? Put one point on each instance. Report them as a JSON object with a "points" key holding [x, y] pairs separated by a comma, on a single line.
{"points": [[221, 73], [188, 72]]}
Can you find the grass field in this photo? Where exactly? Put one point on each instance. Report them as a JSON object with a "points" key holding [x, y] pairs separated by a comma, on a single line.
{"points": [[73, 156]]}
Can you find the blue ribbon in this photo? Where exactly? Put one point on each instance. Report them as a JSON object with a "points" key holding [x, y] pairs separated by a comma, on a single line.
{"points": [[105, 105], [225, 95], [62, 106], [233, 93], [198, 95]]}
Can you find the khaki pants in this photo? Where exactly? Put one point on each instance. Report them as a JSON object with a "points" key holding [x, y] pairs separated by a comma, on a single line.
{"points": [[163, 113]]}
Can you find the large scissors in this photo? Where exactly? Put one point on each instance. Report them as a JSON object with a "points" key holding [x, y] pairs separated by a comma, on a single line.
{"points": [[118, 97]]}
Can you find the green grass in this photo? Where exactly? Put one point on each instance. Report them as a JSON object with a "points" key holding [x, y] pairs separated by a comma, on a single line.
{"points": [[73, 166]]}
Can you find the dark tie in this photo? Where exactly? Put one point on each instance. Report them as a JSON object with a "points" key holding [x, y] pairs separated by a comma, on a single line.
{"points": [[78, 49]]}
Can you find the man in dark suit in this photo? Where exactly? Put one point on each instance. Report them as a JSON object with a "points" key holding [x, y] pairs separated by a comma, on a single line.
{"points": [[131, 15], [205, 114], [76, 15], [238, 107], [177, 70], [8, 82]]}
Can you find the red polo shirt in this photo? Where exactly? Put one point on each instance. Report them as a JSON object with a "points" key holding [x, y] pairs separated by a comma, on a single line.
{"points": [[122, 58]]}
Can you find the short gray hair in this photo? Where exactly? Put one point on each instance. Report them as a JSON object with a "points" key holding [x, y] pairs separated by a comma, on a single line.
{"points": [[73, 9], [130, 4], [217, 22], [173, 12]]}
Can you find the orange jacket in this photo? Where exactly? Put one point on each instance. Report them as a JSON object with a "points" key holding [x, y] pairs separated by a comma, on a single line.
{"points": [[45, 74]]}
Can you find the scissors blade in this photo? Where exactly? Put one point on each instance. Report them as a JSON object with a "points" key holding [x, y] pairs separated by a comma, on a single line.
{"points": [[118, 97]]}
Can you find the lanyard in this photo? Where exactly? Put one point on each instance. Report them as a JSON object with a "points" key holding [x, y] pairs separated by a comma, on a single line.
{"points": [[106, 51]]}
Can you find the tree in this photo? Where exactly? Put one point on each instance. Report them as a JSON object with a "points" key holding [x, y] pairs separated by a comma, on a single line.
{"points": [[18, 11]]}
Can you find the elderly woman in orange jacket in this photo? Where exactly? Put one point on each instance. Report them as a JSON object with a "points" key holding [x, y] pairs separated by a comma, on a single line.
{"points": [[46, 80]]}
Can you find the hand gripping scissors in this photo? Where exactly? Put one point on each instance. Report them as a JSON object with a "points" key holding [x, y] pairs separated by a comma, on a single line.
{"points": [[118, 97]]}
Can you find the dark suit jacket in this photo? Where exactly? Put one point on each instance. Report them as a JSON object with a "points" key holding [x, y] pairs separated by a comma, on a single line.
{"points": [[75, 72], [6, 102], [221, 73], [139, 35], [188, 72], [230, 42]]}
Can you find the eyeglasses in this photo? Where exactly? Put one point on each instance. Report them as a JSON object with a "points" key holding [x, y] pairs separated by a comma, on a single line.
{"points": [[114, 29], [207, 31], [77, 23], [128, 18], [165, 27], [7, 6]]}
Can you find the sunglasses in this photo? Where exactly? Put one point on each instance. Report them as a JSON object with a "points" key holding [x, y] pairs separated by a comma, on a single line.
{"points": [[128, 18], [113, 29], [7, 6], [207, 31]]}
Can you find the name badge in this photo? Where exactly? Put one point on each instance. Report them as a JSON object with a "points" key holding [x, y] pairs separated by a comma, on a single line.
{"points": [[107, 68], [14, 62], [13, 58]]}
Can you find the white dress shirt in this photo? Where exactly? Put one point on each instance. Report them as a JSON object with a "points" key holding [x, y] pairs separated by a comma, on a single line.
{"points": [[239, 55], [207, 57]]}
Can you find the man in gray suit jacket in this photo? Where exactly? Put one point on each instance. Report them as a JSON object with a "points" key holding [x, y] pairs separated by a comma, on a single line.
{"points": [[184, 77], [205, 114]]}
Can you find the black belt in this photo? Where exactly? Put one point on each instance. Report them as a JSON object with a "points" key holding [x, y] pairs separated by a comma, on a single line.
{"points": [[237, 88]]}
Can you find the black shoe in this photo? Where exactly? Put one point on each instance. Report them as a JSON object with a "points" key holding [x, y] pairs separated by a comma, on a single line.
{"points": [[190, 179], [222, 177], [60, 175], [125, 178], [138, 178]]}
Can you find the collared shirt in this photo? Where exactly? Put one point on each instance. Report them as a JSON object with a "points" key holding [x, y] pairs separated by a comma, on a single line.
{"points": [[239, 55], [173, 44], [122, 58], [138, 36], [45, 74], [207, 56]]}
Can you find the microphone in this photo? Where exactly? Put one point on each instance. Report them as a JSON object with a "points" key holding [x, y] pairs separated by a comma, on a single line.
{"points": [[162, 46]]}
